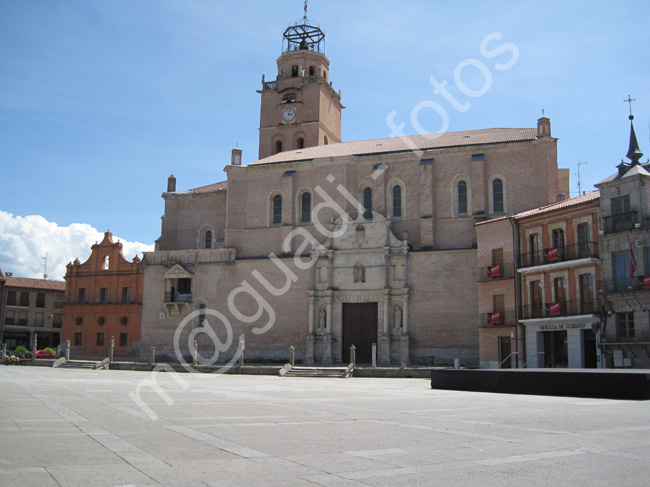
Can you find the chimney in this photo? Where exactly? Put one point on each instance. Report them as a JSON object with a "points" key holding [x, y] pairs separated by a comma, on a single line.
{"points": [[235, 157], [171, 184], [560, 195], [543, 127]]}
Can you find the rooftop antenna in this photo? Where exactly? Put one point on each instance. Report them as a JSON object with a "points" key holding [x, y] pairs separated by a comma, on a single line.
{"points": [[305, 16], [44, 266], [580, 163]]}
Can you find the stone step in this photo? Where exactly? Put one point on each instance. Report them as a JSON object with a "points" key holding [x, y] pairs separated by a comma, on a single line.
{"points": [[305, 371], [80, 364]]}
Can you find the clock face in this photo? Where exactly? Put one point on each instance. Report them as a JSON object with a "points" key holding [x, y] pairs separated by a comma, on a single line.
{"points": [[288, 115]]}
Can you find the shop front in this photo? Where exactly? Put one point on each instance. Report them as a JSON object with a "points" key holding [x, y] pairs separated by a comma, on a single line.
{"points": [[562, 343]]}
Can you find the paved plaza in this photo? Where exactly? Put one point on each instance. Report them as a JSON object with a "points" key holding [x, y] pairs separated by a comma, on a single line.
{"points": [[63, 427]]}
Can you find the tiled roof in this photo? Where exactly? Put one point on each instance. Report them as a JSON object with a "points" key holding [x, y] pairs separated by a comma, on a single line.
{"points": [[27, 282], [558, 205], [210, 187], [404, 144], [576, 200]]}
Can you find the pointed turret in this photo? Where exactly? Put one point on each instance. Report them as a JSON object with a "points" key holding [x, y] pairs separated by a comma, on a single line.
{"points": [[633, 153]]}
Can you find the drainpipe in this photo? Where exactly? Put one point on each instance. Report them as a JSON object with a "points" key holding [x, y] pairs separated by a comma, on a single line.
{"points": [[515, 248]]}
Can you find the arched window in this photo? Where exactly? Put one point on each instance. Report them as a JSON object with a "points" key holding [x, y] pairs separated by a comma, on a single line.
{"points": [[202, 316], [276, 213], [397, 201], [300, 143], [462, 197], [208, 239], [367, 203], [305, 208], [106, 263], [294, 71], [312, 70], [325, 140], [278, 146], [497, 195], [325, 75]]}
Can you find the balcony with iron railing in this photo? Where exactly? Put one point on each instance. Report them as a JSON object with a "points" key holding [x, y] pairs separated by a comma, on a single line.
{"points": [[497, 318], [615, 339], [625, 284], [496, 272], [558, 309], [175, 297], [98, 301], [304, 80], [554, 255], [623, 222]]}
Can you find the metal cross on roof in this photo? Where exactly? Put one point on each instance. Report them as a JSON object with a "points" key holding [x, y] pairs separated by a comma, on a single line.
{"points": [[629, 101]]}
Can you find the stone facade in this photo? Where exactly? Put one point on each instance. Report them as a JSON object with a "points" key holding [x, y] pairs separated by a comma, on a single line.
{"points": [[625, 253], [339, 244]]}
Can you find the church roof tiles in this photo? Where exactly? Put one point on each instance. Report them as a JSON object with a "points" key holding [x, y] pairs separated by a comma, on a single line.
{"points": [[403, 144]]}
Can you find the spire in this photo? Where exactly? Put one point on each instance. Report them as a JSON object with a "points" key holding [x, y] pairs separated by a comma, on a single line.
{"points": [[633, 153]]}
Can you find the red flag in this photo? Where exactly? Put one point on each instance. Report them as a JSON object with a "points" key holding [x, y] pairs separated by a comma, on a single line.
{"points": [[494, 270], [632, 260]]}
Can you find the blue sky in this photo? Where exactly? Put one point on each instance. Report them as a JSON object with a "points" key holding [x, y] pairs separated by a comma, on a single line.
{"points": [[101, 100]]}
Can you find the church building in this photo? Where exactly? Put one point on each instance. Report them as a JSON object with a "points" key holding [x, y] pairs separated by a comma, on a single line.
{"points": [[323, 244]]}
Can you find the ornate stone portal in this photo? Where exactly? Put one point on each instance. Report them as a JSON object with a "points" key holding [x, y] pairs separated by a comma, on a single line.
{"points": [[364, 263]]}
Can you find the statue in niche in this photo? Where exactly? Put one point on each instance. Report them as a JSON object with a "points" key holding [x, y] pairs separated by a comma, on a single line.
{"points": [[322, 274], [397, 318], [359, 272], [322, 319], [359, 236], [398, 271]]}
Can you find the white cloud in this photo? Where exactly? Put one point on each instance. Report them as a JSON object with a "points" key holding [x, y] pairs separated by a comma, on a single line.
{"points": [[25, 240]]}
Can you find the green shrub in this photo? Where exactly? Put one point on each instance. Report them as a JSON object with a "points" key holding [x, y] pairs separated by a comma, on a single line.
{"points": [[50, 350], [20, 350]]}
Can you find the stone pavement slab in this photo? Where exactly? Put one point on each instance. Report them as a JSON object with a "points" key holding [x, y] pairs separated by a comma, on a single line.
{"points": [[66, 427]]}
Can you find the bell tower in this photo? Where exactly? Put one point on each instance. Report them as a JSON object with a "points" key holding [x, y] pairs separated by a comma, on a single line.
{"points": [[300, 108]]}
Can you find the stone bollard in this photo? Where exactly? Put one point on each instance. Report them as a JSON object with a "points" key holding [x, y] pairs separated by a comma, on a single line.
{"points": [[292, 355], [67, 350], [353, 356], [456, 363], [152, 355], [35, 346], [374, 355], [242, 346], [111, 349], [195, 354]]}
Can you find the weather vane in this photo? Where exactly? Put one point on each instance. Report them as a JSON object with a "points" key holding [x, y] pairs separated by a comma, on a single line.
{"points": [[628, 101], [305, 16]]}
